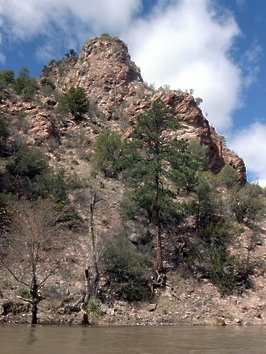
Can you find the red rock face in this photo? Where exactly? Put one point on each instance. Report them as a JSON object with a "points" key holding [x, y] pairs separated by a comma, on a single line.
{"points": [[111, 80]]}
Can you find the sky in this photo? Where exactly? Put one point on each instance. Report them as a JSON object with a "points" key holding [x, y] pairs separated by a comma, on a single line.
{"points": [[215, 47]]}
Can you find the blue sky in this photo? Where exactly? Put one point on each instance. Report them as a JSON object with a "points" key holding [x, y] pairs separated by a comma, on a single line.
{"points": [[216, 47]]}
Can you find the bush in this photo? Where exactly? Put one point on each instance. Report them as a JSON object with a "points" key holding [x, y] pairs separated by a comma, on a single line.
{"points": [[127, 271], [28, 174], [25, 85], [4, 133], [74, 102], [107, 153], [6, 78], [93, 308], [223, 269], [248, 203], [27, 163], [228, 177]]}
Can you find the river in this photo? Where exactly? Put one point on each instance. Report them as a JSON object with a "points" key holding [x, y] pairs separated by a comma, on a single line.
{"points": [[131, 340]]}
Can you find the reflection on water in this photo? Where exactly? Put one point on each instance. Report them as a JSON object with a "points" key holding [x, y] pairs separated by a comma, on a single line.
{"points": [[131, 340]]}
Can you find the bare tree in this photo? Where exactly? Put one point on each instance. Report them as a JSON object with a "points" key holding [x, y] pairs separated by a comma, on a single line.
{"points": [[33, 233], [92, 274]]}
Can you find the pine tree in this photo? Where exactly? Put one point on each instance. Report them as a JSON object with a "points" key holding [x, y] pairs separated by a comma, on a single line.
{"points": [[155, 171], [74, 102]]}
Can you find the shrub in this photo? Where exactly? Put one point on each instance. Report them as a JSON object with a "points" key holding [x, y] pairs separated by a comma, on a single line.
{"points": [[228, 177], [248, 203], [27, 163], [93, 308], [25, 85], [4, 133], [107, 153], [74, 102], [223, 269], [127, 270], [6, 78]]}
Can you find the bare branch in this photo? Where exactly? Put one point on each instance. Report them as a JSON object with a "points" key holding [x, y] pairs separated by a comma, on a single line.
{"points": [[13, 274]]}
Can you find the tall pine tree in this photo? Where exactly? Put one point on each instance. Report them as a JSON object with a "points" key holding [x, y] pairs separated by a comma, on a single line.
{"points": [[155, 171]]}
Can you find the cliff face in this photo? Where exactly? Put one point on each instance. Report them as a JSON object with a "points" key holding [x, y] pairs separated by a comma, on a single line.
{"points": [[112, 81]]}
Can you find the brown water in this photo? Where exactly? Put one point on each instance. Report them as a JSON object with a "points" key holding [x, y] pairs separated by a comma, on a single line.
{"points": [[131, 340]]}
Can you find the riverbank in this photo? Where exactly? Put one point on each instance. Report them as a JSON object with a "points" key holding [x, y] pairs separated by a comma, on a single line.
{"points": [[184, 301]]}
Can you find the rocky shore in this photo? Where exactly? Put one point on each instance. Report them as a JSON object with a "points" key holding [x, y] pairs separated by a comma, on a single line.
{"points": [[184, 302]]}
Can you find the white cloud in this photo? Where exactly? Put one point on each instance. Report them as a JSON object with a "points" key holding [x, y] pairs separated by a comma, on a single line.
{"points": [[2, 58], [250, 64], [71, 20], [241, 4], [31, 17], [250, 144], [186, 44]]}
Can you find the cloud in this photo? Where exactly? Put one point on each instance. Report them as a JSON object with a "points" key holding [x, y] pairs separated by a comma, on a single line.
{"points": [[250, 64], [250, 143], [71, 20], [184, 43], [242, 4], [187, 44]]}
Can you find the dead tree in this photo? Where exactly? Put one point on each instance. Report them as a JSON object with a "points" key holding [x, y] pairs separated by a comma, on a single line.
{"points": [[92, 274], [31, 234]]}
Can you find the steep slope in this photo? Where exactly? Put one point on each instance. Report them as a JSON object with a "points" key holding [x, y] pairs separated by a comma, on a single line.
{"points": [[112, 81]]}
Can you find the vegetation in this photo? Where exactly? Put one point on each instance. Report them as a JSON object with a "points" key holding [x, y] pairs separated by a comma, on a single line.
{"points": [[24, 85], [172, 203], [74, 102], [108, 152], [154, 169], [127, 270], [32, 231]]}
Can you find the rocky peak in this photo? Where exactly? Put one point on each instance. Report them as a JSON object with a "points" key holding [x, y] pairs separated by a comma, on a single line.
{"points": [[112, 81]]}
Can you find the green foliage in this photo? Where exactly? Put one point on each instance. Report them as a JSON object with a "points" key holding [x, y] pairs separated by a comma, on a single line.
{"points": [[228, 177], [127, 271], [93, 308], [6, 78], [198, 101], [25, 85], [30, 175], [47, 82], [71, 53], [206, 202], [223, 268], [194, 162], [74, 102], [4, 132], [248, 203], [108, 150], [27, 163], [24, 293], [155, 168]]}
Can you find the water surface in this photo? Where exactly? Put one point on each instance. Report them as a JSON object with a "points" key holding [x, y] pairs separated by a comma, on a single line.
{"points": [[131, 340]]}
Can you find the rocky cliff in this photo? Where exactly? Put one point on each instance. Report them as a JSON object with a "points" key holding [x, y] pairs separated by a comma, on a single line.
{"points": [[117, 95], [114, 83]]}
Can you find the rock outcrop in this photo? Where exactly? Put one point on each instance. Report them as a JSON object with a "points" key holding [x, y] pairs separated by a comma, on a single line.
{"points": [[112, 81]]}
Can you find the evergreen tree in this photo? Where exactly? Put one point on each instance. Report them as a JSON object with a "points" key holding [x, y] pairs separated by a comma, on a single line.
{"points": [[155, 171], [74, 102]]}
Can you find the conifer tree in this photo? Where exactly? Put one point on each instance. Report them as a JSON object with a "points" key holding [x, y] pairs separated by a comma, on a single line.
{"points": [[155, 171]]}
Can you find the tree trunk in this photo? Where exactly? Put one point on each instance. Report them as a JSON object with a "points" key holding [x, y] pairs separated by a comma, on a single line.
{"points": [[92, 275], [159, 258], [34, 312], [95, 275], [34, 296]]}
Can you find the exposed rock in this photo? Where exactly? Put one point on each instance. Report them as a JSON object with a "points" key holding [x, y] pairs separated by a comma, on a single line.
{"points": [[151, 307], [111, 80], [214, 321]]}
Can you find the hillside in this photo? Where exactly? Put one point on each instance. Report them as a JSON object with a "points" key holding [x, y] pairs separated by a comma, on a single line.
{"points": [[63, 198]]}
